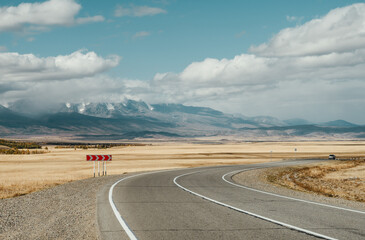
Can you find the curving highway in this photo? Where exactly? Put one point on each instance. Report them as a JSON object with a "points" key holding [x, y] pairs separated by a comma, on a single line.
{"points": [[204, 203]]}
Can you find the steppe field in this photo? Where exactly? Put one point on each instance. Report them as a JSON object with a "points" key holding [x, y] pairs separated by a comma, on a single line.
{"points": [[22, 174]]}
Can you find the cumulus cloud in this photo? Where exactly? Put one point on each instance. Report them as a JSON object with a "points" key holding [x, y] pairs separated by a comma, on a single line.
{"points": [[42, 14], [45, 82], [15, 67], [45, 95], [341, 30], [322, 57], [314, 71], [247, 72], [137, 11]]}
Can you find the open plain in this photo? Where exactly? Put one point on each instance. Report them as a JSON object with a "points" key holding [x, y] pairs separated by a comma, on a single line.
{"points": [[69, 211], [22, 174]]}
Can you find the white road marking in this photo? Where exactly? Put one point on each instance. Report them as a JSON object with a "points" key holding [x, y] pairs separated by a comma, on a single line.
{"points": [[281, 196], [131, 235], [115, 210], [250, 213]]}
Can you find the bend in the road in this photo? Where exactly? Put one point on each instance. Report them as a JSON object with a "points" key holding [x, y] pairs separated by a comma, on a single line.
{"points": [[250, 213]]}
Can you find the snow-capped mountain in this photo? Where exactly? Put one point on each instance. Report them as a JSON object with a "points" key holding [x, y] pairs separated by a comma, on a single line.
{"points": [[108, 110], [131, 119]]}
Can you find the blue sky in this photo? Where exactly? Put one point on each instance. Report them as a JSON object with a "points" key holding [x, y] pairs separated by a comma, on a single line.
{"points": [[189, 31], [147, 49]]}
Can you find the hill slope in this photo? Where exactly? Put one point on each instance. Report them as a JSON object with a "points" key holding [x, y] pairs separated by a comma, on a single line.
{"points": [[136, 119]]}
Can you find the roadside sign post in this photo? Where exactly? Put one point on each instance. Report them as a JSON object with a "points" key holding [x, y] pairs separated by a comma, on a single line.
{"points": [[105, 168], [99, 158]]}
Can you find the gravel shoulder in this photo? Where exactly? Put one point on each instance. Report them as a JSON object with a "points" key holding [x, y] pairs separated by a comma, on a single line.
{"points": [[66, 211], [257, 179]]}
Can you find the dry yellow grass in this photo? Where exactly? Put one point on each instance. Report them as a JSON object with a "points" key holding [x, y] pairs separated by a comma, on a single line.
{"points": [[342, 179], [21, 174]]}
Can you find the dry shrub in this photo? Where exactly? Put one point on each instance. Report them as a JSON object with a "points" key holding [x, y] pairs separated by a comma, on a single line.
{"points": [[21, 151], [312, 179]]}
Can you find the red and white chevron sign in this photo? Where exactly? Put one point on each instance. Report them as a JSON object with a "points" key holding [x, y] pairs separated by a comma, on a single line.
{"points": [[98, 157]]}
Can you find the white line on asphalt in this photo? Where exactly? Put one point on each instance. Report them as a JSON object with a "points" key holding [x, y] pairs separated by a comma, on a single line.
{"points": [[250, 213], [281, 196], [115, 210]]}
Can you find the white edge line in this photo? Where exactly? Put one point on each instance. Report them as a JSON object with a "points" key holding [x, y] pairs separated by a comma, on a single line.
{"points": [[281, 196], [250, 213], [115, 210]]}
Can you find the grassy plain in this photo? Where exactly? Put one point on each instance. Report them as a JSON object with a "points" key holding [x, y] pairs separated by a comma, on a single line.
{"points": [[22, 174]]}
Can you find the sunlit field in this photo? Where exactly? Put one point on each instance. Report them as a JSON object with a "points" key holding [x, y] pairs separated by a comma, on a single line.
{"points": [[22, 174]]}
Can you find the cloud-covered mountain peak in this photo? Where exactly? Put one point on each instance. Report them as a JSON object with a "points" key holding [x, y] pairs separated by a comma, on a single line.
{"points": [[108, 109]]}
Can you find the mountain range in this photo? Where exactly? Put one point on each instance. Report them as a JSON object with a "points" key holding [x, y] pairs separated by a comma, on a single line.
{"points": [[136, 119]]}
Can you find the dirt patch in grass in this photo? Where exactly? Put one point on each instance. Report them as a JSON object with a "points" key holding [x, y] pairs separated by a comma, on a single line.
{"points": [[339, 179]]}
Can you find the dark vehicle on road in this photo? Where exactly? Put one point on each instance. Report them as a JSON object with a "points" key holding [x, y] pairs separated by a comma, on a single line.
{"points": [[332, 157]]}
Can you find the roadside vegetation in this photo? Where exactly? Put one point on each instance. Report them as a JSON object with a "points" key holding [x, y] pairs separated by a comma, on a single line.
{"points": [[20, 145], [17, 147], [340, 179], [91, 146], [20, 151]]}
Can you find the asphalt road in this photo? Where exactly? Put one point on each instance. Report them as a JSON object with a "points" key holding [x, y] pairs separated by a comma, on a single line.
{"points": [[198, 203]]}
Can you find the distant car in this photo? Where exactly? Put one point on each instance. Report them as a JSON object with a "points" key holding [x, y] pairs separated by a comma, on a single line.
{"points": [[332, 157]]}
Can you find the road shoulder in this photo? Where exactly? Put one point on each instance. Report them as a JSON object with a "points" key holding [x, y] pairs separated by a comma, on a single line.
{"points": [[257, 179], [67, 211]]}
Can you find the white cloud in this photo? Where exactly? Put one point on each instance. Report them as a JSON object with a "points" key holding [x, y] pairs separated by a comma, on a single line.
{"points": [[141, 34], [294, 19], [246, 73], [51, 80], [291, 18], [15, 67], [341, 30], [42, 14], [45, 94], [316, 81], [321, 61], [137, 11]]}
